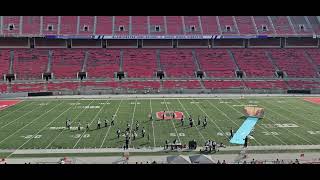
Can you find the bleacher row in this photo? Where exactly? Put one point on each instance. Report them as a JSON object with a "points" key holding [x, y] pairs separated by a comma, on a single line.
{"points": [[29, 64], [139, 25], [165, 84]]}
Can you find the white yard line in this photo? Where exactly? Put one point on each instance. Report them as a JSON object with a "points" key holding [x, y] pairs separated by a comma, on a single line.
{"points": [[20, 117], [213, 121], [228, 117], [30, 123], [154, 138], [257, 123], [15, 110], [41, 130], [204, 140], [89, 124], [173, 123], [134, 110], [104, 139], [71, 122], [269, 109], [293, 112]]}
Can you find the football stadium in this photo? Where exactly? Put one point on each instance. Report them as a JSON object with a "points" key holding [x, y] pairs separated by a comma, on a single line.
{"points": [[159, 89]]}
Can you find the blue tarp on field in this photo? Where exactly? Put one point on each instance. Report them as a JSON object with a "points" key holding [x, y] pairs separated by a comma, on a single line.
{"points": [[244, 130]]}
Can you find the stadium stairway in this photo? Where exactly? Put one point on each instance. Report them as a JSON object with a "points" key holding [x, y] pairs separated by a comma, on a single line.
{"points": [[216, 63], [85, 60], [195, 60], [310, 60], [272, 61], [293, 62], [121, 60], [247, 61], [233, 59], [11, 62], [281, 25], [5, 62], [159, 67], [245, 24], [49, 61], [210, 25]]}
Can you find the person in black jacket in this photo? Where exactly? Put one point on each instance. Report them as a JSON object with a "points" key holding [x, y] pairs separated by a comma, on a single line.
{"points": [[231, 133], [245, 142]]}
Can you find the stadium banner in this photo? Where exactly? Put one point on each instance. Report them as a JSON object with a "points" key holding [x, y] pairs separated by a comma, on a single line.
{"points": [[164, 36], [67, 37], [239, 37], [152, 37]]}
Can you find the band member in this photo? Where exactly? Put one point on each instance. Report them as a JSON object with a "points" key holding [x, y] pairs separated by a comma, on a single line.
{"points": [[118, 133], [191, 123], [231, 133], [106, 122], [204, 123], [137, 126], [99, 124]]}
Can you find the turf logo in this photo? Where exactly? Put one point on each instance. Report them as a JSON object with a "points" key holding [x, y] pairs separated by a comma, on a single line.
{"points": [[168, 115]]}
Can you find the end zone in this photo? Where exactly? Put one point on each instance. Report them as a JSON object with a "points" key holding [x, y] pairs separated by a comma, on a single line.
{"points": [[313, 100], [7, 103]]}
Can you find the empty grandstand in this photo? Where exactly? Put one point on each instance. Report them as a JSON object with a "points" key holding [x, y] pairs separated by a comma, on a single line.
{"points": [[152, 66]]}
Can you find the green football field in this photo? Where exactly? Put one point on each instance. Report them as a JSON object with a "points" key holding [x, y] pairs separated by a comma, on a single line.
{"points": [[40, 124]]}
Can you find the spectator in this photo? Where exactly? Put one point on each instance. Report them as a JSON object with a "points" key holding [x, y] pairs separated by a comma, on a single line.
{"points": [[214, 145], [224, 162], [218, 162], [222, 145], [297, 161], [253, 161]]}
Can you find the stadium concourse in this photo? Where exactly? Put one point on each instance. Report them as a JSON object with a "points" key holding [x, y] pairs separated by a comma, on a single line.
{"points": [[161, 83]]}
